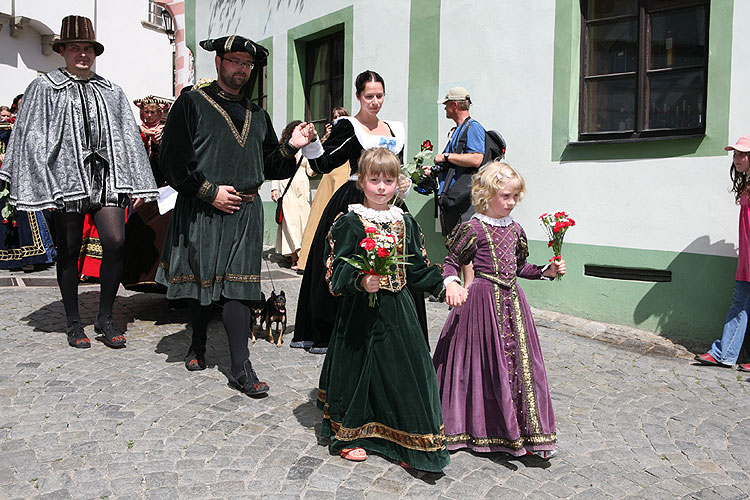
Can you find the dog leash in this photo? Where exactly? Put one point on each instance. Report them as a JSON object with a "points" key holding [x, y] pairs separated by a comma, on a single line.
{"points": [[273, 288]]}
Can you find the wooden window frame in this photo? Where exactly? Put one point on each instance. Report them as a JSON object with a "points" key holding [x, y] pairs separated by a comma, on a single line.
{"points": [[307, 84], [645, 10], [258, 76]]}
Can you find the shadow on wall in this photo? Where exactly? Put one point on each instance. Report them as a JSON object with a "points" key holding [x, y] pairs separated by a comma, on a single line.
{"points": [[698, 296], [226, 15]]}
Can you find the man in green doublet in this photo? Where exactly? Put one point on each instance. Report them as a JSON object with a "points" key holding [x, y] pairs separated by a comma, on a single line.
{"points": [[217, 149]]}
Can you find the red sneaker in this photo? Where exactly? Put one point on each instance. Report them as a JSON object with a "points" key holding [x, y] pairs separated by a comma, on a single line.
{"points": [[744, 367], [707, 359]]}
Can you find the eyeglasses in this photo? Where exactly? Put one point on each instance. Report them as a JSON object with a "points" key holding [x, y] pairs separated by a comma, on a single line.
{"points": [[246, 65]]}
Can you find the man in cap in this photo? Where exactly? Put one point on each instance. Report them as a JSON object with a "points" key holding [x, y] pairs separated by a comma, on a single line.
{"points": [[217, 148], [462, 156], [76, 149]]}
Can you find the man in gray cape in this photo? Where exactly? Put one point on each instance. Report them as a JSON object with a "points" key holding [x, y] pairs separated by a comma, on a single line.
{"points": [[217, 148], [76, 149]]}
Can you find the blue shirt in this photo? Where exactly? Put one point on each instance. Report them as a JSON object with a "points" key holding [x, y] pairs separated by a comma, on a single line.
{"points": [[474, 144]]}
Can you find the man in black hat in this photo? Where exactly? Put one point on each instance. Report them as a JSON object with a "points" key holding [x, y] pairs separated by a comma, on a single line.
{"points": [[76, 149], [217, 148]]}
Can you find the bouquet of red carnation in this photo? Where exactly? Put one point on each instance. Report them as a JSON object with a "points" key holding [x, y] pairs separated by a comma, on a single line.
{"points": [[556, 225], [380, 257], [413, 169]]}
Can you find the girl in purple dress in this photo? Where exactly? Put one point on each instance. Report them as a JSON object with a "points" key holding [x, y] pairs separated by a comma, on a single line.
{"points": [[491, 375]]}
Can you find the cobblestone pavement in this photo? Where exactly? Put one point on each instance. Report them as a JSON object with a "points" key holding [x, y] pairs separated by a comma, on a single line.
{"points": [[133, 423]]}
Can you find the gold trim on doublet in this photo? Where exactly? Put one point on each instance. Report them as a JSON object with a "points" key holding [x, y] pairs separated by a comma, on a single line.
{"points": [[241, 139]]}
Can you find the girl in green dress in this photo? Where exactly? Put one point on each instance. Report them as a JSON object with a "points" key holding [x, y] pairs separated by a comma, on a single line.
{"points": [[378, 389]]}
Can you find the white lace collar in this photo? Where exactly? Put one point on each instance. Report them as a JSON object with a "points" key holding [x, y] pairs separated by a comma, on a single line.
{"points": [[368, 141], [393, 214], [502, 222]]}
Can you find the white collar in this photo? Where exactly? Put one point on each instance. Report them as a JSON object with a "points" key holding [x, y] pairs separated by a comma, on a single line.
{"points": [[369, 140], [502, 222], [393, 214]]}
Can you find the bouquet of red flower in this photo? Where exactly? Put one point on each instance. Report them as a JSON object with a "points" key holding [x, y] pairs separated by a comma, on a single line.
{"points": [[380, 257], [413, 169], [556, 225]]}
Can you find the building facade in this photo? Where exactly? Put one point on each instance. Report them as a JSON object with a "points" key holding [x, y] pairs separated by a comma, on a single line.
{"points": [[138, 56]]}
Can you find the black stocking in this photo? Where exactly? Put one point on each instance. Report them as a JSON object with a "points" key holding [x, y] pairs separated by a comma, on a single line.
{"points": [[68, 237], [237, 324], [199, 318], [110, 223]]}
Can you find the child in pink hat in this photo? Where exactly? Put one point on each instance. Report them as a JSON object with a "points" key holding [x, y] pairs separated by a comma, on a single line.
{"points": [[726, 350]]}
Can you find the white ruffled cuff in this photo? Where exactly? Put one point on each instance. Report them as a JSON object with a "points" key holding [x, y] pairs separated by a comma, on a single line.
{"points": [[313, 150], [451, 279]]}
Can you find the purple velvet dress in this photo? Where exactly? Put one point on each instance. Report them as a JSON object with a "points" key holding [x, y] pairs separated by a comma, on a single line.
{"points": [[491, 375]]}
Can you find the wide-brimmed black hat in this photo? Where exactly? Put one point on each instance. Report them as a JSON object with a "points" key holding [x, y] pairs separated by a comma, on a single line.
{"points": [[77, 29], [235, 43]]}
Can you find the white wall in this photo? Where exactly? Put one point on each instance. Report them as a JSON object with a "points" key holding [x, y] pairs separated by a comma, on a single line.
{"points": [[137, 59], [379, 43]]}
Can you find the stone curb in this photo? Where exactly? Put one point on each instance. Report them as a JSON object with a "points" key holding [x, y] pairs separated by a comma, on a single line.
{"points": [[625, 337]]}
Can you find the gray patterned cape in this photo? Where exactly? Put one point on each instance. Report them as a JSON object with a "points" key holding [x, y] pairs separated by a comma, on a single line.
{"points": [[45, 162]]}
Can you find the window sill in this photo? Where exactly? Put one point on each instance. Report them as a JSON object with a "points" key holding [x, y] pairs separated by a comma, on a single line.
{"points": [[153, 26], [591, 142]]}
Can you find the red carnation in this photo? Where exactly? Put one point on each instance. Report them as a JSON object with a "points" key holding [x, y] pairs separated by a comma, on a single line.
{"points": [[549, 244], [382, 252], [368, 244], [371, 230]]}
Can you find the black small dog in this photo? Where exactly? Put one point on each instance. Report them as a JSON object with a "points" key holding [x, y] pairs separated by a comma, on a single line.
{"points": [[257, 314], [276, 313]]}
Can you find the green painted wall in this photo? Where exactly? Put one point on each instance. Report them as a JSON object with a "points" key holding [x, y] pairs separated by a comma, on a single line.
{"points": [[190, 25], [296, 40], [692, 306], [268, 43], [423, 110], [566, 86]]}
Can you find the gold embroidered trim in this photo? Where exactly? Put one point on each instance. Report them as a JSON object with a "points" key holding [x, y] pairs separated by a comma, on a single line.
{"points": [[241, 139], [36, 247], [515, 444], [396, 281], [418, 442], [91, 247], [288, 151], [192, 278], [203, 191], [412, 441], [527, 376], [495, 279], [228, 43]]}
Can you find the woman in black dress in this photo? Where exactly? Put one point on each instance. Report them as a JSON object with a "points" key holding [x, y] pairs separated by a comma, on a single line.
{"points": [[316, 309]]}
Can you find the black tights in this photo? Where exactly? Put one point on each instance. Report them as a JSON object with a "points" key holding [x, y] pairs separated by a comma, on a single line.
{"points": [[236, 319], [110, 223]]}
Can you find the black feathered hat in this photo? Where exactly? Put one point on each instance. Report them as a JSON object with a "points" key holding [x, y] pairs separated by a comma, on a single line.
{"points": [[235, 43]]}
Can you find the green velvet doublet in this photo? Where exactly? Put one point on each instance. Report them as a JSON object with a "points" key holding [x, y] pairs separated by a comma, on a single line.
{"points": [[209, 254], [378, 388]]}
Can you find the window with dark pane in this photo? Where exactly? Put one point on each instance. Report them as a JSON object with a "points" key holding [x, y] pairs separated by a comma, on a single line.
{"points": [[324, 79], [643, 68], [256, 87]]}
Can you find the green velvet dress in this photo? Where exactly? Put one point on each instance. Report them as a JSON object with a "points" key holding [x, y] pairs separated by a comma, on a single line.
{"points": [[378, 388]]}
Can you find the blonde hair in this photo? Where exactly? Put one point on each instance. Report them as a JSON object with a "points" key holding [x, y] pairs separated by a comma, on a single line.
{"points": [[376, 161], [490, 179]]}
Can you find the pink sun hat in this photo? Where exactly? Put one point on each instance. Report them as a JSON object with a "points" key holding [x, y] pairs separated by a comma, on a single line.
{"points": [[743, 145]]}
